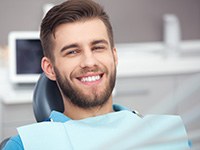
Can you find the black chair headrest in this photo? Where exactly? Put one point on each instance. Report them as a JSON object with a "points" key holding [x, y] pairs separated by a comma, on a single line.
{"points": [[46, 97]]}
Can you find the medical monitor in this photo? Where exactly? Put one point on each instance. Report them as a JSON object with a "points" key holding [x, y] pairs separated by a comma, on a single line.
{"points": [[25, 57]]}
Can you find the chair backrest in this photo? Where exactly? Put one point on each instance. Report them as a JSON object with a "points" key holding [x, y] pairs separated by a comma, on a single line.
{"points": [[46, 97], [3, 143]]}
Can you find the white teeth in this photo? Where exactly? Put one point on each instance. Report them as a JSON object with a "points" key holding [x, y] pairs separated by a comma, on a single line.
{"points": [[90, 79]]}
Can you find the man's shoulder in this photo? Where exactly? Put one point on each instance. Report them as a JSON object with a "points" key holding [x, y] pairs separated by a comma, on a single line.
{"points": [[14, 143]]}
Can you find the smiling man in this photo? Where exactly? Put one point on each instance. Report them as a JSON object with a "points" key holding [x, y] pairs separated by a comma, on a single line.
{"points": [[79, 54], [84, 66]]}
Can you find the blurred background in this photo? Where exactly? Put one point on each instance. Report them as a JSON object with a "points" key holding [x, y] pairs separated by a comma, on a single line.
{"points": [[158, 44], [133, 20]]}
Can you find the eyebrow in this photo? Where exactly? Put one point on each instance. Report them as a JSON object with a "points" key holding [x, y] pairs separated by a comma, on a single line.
{"points": [[69, 46], [75, 45], [99, 41]]}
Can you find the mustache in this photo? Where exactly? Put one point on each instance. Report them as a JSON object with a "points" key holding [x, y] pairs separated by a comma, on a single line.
{"points": [[94, 69]]}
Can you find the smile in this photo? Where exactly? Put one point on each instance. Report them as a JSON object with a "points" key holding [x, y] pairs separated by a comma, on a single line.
{"points": [[91, 78]]}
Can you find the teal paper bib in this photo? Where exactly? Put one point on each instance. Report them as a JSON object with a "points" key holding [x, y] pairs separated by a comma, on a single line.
{"points": [[121, 130]]}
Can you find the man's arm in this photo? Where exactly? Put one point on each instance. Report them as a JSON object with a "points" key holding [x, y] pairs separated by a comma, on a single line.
{"points": [[14, 143]]}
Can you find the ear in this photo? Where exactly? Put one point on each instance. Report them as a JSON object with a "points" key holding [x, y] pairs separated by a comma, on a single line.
{"points": [[115, 56], [48, 69]]}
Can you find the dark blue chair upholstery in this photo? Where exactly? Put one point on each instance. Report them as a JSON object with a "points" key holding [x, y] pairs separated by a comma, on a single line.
{"points": [[46, 98]]}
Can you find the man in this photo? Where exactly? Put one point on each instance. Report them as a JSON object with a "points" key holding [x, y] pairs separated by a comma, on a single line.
{"points": [[79, 55]]}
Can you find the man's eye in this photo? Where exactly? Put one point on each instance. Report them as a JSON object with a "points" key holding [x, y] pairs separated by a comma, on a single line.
{"points": [[72, 52], [98, 48]]}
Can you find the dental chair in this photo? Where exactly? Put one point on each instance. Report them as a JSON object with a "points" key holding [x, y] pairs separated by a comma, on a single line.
{"points": [[46, 97]]}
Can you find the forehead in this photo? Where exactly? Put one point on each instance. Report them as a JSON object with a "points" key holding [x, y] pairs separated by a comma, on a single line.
{"points": [[81, 32]]}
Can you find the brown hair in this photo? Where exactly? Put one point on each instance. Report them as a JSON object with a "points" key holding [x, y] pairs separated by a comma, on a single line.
{"points": [[68, 12]]}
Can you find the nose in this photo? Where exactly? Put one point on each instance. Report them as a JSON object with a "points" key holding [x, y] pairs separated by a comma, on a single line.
{"points": [[88, 60]]}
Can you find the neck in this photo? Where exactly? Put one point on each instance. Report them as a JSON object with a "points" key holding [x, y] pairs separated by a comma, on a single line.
{"points": [[77, 113]]}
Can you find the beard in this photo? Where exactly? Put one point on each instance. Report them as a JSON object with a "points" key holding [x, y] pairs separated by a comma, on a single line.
{"points": [[77, 97]]}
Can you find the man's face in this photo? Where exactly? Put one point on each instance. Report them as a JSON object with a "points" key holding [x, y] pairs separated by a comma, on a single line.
{"points": [[85, 64]]}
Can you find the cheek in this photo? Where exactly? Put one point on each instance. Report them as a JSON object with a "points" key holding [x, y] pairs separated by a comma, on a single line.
{"points": [[62, 71], [67, 66], [109, 64], [106, 58], [111, 61]]}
